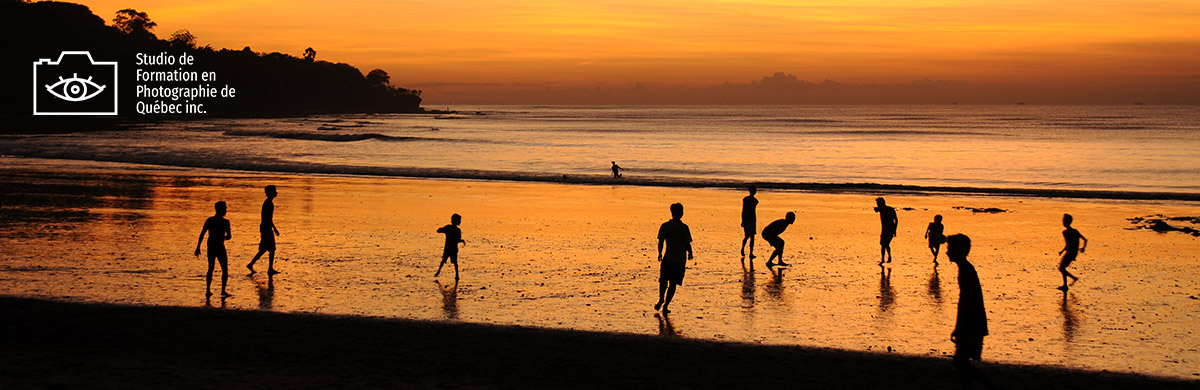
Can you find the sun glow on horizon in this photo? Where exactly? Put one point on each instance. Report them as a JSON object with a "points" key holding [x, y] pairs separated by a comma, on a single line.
{"points": [[708, 41]]}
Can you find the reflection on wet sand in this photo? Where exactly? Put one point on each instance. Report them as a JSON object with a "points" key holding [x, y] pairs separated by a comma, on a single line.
{"points": [[1070, 321], [449, 298], [935, 287], [366, 251], [887, 296], [266, 293], [747, 288], [775, 286], [208, 301], [665, 327], [55, 199]]}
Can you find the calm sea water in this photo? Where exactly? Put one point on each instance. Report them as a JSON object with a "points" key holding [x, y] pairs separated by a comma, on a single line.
{"points": [[1122, 148]]}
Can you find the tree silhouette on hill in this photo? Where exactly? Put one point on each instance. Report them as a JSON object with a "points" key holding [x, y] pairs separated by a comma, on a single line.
{"points": [[135, 23], [267, 84]]}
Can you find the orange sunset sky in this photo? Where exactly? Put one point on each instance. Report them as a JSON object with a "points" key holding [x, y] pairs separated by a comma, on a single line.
{"points": [[457, 47]]}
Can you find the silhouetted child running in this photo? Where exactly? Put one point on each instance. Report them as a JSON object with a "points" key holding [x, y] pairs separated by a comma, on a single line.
{"points": [[749, 220], [971, 324], [678, 239], [935, 235], [267, 229], [616, 169], [771, 234], [218, 231], [1070, 250], [453, 237], [888, 222]]}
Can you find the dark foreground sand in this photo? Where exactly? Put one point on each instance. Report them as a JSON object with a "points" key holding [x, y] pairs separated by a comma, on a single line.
{"points": [[68, 345]]}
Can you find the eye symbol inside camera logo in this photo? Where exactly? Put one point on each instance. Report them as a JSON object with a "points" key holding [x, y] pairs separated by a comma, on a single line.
{"points": [[58, 88], [75, 89]]}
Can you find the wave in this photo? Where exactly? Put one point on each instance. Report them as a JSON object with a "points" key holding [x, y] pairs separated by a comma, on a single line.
{"points": [[795, 120], [280, 166], [329, 137], [1097, 126]]}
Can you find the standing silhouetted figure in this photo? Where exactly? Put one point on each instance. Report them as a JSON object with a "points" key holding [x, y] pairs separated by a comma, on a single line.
{"points": [[217, 228], [453, 237], [935, 235], [1070, 250], [678, 239], [749, 221], [887, 217], [267, 229], [971, 325], [616, 169], [771, 234]]}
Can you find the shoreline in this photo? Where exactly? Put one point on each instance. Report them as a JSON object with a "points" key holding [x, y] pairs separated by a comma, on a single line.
{"points": [[62, 344], [365, 246], [272, 167]]}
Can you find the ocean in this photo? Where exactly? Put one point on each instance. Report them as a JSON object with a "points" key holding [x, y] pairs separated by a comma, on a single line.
{"points": [[1116, 150], [113, 216]]}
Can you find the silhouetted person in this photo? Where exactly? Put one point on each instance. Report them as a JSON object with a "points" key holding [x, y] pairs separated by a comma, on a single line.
{"points": [[935, 235], [678, 239], [887, 217], [218, 231], [453, 237], [971, 325], [1070, 250], [749, 221], [771, 234], [616, 169], [267, 229]]}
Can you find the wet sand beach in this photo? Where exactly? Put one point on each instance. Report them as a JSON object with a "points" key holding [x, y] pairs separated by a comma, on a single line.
{"points": [[581, 258], [67, 345]]}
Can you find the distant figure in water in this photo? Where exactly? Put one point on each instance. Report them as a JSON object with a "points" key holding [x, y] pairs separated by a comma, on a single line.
{"points": [[678, 239], [217, 228], [771, 234], [268, 231], [971, 325], [887, 217], [935, 235], [616, 169], [453, 237], [749, 221], [1070, 250]]}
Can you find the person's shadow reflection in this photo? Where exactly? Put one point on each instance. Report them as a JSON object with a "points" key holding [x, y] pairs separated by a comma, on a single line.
{"points": [[886, 295], [775, 287], [449, 299], [1070, 321], [266, 293], [747, 287], [935, 287], [665, 327], [208, 302]]}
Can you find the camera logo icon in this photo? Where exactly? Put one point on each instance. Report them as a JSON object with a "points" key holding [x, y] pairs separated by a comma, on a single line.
{"points": [[74, 85]]}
